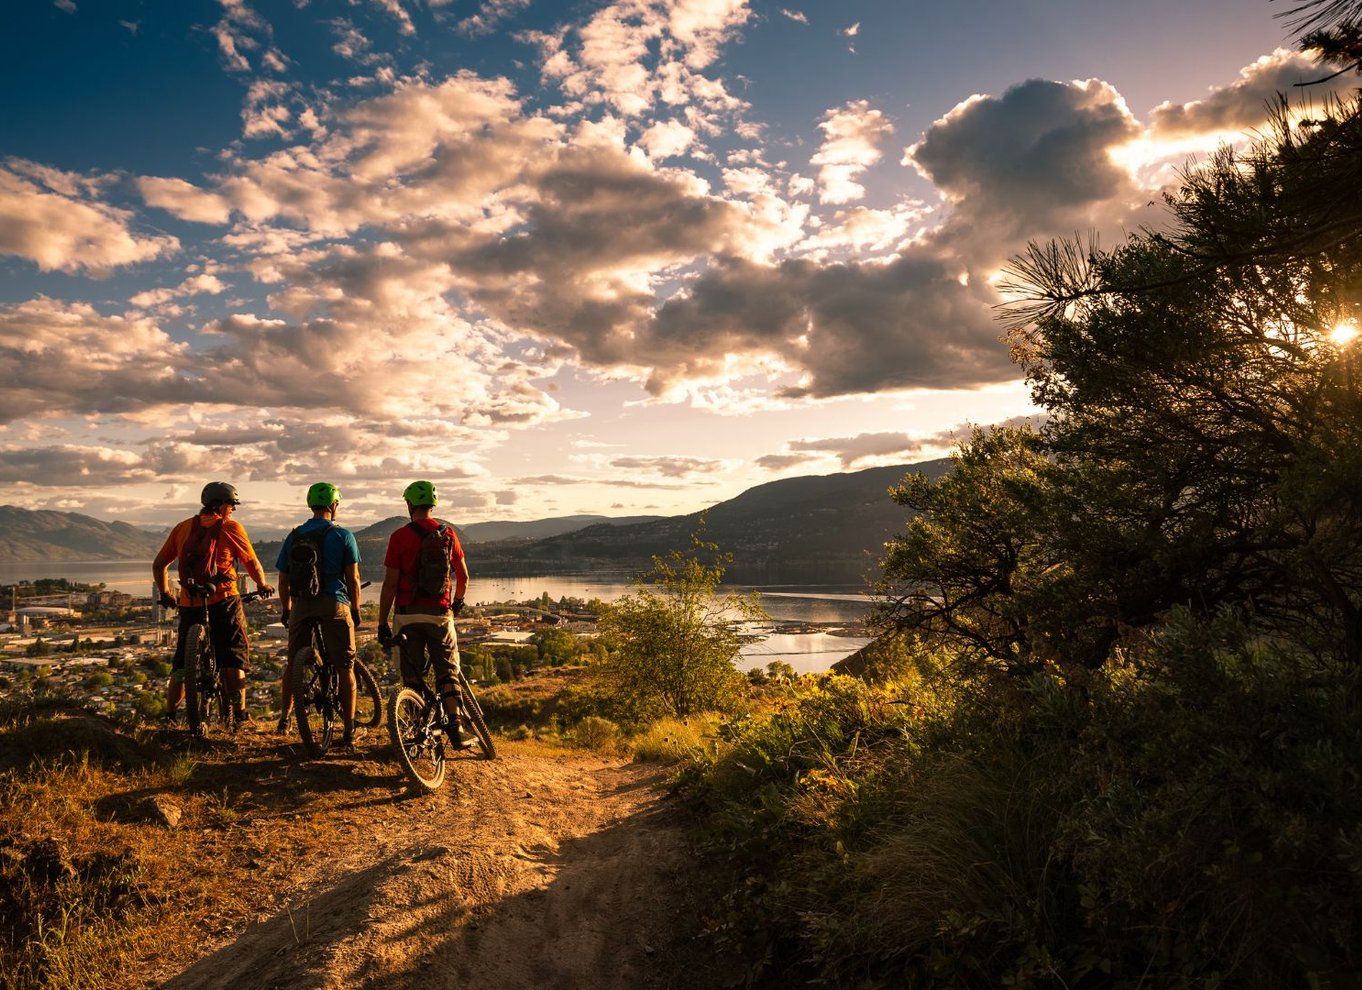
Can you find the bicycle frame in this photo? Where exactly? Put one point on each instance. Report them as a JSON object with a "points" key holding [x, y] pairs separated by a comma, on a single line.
{"points": [[316, 692], [418, 725], [203, 688]]}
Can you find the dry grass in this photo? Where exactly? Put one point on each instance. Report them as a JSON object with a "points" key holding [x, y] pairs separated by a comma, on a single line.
{"points": [[671, 739], [95, 887]]}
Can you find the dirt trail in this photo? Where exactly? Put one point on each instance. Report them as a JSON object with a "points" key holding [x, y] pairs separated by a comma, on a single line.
{"points": [[539, 869]]}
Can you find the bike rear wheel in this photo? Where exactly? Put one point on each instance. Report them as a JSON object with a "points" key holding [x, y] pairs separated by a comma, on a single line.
{"points": [[316, 702], [417, 738], [368, 699], [474, 719], [202, 697]]}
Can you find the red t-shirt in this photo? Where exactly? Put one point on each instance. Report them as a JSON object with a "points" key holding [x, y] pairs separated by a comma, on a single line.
{"points": [[404, 549]]}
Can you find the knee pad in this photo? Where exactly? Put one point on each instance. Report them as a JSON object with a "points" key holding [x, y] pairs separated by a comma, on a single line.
{"points": [[447, 687]]}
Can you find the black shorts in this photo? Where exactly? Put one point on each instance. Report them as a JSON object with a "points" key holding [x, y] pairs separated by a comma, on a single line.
{"points": [[226, 629]]}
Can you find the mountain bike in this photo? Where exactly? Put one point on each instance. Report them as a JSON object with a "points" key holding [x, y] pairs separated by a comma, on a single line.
{"points": [[317, 695], [420, 729], [205, 701]]}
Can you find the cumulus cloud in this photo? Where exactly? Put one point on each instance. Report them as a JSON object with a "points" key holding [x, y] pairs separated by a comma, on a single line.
{"points": [[850, 450], [394, 9], [865, 232], [266, 112], [849, 328], [239, 31], [489, 17], [53, 220], [1242, 105], [70, 466], [438, 152], [798, 16], [634, 54], [1034, 162], [201, 284], [58, 358], [184, 200], [492, 231], [666, 139], [669, 466], [783, 462], [851, 139]]}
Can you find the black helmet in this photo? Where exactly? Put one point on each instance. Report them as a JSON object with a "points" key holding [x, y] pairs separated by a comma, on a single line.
{"points": [[217, 493]]}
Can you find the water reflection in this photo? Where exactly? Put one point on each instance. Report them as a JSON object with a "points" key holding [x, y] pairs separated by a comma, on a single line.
{"points": [[806, 651]]}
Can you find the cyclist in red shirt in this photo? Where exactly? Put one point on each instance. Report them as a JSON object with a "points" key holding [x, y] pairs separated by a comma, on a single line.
{"points": [[424, 585], [225, 545]]}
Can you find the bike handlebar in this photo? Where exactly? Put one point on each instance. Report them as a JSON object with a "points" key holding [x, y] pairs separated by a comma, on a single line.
{"points": [[199, 591]]}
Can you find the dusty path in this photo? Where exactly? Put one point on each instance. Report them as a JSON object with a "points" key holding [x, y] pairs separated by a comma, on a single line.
{"points": [[542, 869]]}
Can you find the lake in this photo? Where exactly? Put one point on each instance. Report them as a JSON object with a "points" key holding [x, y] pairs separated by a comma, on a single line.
{"points": [[807, 652]]}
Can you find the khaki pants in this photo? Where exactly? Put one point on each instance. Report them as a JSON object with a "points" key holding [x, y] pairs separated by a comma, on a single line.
{"points": [[427, 634], [338, 632]]}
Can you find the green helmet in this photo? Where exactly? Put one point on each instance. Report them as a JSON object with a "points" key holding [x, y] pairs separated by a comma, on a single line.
{"points": [[322, 495], [421, 493]]}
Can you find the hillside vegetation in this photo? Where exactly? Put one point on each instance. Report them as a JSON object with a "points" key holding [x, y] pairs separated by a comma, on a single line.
{"points": [[824, 529], [1114, 732]]}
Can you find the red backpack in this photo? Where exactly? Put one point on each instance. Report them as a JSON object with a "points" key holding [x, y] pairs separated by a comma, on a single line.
{"points": [[197, 563]]}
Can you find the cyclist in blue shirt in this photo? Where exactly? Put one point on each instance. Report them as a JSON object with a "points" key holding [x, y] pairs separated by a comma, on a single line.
{"points": [[319, 579]]}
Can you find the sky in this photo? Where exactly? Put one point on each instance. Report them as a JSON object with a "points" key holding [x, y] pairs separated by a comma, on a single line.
{"points": [[625, 258]]}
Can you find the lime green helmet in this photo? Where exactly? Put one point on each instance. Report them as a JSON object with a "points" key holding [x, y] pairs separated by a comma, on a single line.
{"points": [[421, 493], [322, 495]]}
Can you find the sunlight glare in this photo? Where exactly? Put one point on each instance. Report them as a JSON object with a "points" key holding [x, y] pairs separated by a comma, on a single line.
{"points": [[1344, 333]]}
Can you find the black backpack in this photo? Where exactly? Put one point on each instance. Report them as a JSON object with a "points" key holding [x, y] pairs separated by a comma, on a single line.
{"points": [[305, 562], [433, 572], [197, 564]]}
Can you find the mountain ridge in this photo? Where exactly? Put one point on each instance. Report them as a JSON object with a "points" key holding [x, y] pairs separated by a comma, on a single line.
{"points": [[31, 535], [811, 529]]}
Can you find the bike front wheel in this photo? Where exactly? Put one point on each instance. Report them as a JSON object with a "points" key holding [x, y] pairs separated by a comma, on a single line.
{"points": [[368, 699], [417, 738], [473, 717], [202, 699], [316, 702]]}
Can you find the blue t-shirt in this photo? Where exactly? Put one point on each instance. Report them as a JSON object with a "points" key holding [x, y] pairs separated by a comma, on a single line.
{"points": [[339, 551]]}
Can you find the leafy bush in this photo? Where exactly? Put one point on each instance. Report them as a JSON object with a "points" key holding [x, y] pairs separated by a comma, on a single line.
{"points": [[1222, 799], [671, 643], [1189, 817], [594, 732], [671, 739]]}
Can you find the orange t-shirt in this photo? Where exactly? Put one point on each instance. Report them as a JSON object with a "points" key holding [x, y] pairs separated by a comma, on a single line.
{"points": [[233, 546]]}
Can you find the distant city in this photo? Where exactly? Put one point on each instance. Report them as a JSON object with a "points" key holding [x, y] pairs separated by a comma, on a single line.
{"points": [[114, 649]]}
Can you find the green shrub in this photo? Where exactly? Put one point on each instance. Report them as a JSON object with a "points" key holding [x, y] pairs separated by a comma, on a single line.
{"points": [[594, 732], [149, 705], [1190, 817], [671, 739]]}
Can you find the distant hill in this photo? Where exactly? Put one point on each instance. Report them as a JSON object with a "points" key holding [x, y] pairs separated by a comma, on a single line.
{"points": [[819, 529], [28, 535], [812, 530], [493, 532], [373, 539]]}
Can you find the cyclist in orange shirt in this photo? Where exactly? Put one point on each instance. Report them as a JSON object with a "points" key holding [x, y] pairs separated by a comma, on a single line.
{"points": [[207, 548]]}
